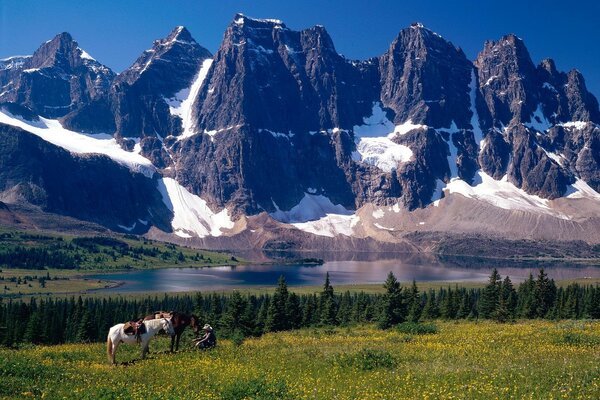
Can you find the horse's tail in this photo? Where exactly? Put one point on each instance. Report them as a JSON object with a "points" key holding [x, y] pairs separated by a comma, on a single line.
{"points": [[109, 348]]}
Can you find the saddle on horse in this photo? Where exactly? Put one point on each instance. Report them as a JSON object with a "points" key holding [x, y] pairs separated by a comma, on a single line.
{"points": [[135, 327]]}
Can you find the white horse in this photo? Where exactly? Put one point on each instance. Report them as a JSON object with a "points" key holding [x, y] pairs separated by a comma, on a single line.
{"points": [[116, 336]]}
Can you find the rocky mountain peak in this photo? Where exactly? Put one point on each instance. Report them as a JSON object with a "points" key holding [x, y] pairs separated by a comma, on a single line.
{"points": [[508, 81], [423, 76], [62, 51], [549, 66], [181, 34], [244, 22]]}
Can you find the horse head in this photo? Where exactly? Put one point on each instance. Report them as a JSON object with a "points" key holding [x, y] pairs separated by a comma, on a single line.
{"points": [[167, 326]]}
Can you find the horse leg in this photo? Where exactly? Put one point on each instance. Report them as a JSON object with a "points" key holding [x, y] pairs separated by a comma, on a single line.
{"points": [[144, 348], [115, 346], [172, 342], [177, 345]]}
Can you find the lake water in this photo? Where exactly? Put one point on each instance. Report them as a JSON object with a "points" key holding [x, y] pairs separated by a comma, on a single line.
{"points": [[340, 272]]}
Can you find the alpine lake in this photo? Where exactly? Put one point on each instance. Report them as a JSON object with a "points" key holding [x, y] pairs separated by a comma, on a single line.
{"points": [[362, 269]]}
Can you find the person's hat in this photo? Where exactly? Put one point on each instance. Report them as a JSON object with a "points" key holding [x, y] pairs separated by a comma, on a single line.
{"points": [[207, 327]]}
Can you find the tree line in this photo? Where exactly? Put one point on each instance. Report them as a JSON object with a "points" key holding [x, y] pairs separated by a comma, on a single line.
{"points": [[54, 321]]}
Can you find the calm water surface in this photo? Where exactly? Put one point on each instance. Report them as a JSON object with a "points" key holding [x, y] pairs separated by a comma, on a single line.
{"points": [[340, 272]]}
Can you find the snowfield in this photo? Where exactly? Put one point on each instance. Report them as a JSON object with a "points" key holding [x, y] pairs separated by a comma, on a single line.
{"points": [[79, 143], [191, 214]]}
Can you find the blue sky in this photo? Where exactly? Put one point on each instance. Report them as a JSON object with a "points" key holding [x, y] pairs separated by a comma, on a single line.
{"points": [[116, 32]]}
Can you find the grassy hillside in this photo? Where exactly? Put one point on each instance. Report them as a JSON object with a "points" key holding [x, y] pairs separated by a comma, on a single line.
{"points": [[462, 360], [30, 250], [33, 263]]}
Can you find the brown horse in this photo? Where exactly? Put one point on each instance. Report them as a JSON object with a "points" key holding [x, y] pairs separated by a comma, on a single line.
{"points": [[179, 321]]}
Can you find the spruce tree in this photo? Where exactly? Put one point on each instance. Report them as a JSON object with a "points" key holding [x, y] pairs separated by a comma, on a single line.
{"points": [[293, 311], [526, 306], [490, 296], [544, 294], [508, 295], [448, 306], [413, 302], [232, 320], [464, 305], [430, 309], [393, 311], [276, 315], [328, 306]]}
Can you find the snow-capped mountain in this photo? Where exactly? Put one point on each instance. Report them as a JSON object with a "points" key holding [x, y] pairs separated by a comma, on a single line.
{"points": [[277, 138]]}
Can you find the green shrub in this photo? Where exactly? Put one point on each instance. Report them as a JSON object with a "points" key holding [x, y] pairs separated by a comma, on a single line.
{"points": [[368, 359], [579, 339]]}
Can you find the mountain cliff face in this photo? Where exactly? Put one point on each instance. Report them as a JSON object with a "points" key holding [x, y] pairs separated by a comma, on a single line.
{"points": [[278, 121], [58, 78]]}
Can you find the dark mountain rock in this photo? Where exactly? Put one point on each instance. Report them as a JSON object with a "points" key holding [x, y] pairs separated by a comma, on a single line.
{"points": [[270, 77], [138, 94], [274, 118], [507, 80], [36, 172], [58, 78], [426, 79]]}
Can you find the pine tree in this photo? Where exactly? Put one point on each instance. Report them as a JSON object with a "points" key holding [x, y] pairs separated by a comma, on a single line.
{"points": [[430, 309], [393, 310], [328, 307], [310, 311], [508, 296], [448, 307], [490, 296], [464, 305], [293, 311], [544, 294], [526, 307], [276, 315], [232, 321], [413, 301]]}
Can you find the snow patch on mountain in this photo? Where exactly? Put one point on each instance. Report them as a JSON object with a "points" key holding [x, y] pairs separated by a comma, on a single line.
{"points": [[374, 143], [181, 104], [477, 132], [502, 194], [52, 131], [318, 215], [312, 207], [330, 225], [581, 190], [382, 153], [191, 214], [538, 121]]}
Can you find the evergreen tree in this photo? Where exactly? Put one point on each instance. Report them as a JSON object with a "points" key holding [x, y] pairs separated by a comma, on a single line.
{"points": [[277, 318], [232, 321], [526, 307], [85, 330], [328, 307], [508, 296], [544, 294], [430, 309], [413, 302], [448, 307], [393, 310], [293, 311], [464, 305], [490, 296]]}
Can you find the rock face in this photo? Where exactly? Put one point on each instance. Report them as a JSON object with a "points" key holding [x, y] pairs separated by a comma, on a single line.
{"points": [[138, 94], [58, 78], [278, 116], [89, 187], [425, 79]]}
